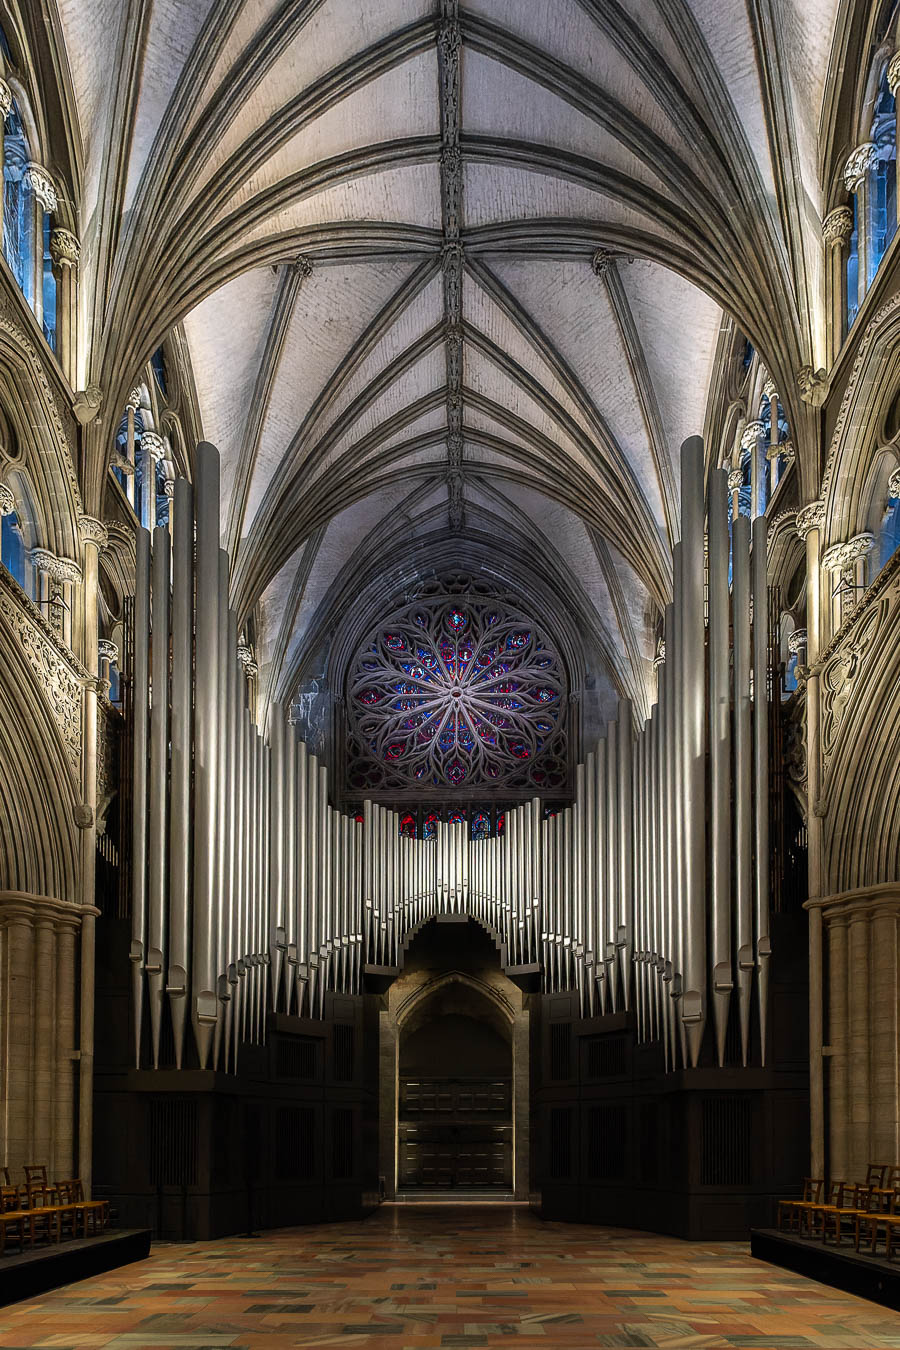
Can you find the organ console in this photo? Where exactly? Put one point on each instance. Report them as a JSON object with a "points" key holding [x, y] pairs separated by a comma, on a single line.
{"points": [[251, 891]]}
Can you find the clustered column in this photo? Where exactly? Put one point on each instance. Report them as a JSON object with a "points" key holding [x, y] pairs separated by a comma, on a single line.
{"points": [[837, 228]]}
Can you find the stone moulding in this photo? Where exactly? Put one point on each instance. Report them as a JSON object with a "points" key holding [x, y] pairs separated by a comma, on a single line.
{"points": [[60, 676]]}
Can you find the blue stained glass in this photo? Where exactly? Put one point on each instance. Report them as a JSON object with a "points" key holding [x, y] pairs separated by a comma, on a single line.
{"points": [[457, 772], [517, 640], [456, 818], [395, 642], [481, 825], [429, 826]]}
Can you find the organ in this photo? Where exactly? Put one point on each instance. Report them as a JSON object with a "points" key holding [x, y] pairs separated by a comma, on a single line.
{"points": [[251, 891]]}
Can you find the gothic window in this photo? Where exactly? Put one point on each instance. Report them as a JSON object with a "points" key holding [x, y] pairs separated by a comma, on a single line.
{"points": [[888, 540], [456, 692], [17, 239], [481, 825], [12, 546], [883, 185]]}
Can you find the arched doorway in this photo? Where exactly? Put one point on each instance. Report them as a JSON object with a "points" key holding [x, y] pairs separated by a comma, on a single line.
{"points": [[454, 1070]]}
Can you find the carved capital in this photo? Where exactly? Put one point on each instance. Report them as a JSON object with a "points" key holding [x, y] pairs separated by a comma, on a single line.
{"points": [[859, 162], [169, 488], [811, 384], [810, 517], [245, 656], [769, 390], [894, 483], [133, 401], [57, 569], [83, 815], [7, 501], [797, 641], [6, 99], [302, 266], [603, 259], [38, 179], [783, 448], [65, 249], [735, 480], [837, 226], [93, 531], [155, 445], [752, 434], [108, 651], [660, 656], [893, 73], [839, 556]]}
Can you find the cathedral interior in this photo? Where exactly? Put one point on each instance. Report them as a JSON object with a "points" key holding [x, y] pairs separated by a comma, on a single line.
{"points": [[450, 670]]}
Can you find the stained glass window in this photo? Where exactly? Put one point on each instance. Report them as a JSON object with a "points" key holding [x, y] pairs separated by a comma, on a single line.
{"points": [[457, 692], [481, 825], [429, 826], [408, 827]]}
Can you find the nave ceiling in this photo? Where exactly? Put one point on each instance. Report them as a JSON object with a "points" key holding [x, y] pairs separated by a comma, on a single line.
{"points": [[451, 277]]}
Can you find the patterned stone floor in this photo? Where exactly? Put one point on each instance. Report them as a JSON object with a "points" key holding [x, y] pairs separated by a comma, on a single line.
{"points": [[447, 1277]]}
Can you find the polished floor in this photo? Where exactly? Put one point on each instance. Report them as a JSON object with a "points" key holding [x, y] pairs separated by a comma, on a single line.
{"points": [[415, 1276]]}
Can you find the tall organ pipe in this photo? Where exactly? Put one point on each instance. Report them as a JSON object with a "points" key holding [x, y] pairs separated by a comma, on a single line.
{"points": [[235, 840], [141, 730], [761, 768], [719, 759], [180, 756], [624, 935], [693, 694], [223, 779], [302, 876], [278, 843], [743, 770], [159, 757], [206, 723]]}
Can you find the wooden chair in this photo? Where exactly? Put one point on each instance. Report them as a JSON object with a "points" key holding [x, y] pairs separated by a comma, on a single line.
{"points": [[46, 1214], [879, 1216], [92, 1213], [810, 1212], [19, 1221], [875, 1175], [789, 1210], [4, 1177], [9, 1198], [853, 1201], [35, 1174]]}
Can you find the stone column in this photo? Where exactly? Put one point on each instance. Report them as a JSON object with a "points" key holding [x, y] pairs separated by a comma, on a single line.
{"points": [[6, 103], [65, 252], [884, 1035], [17, 1016], [131, 407], [735, 483], [856, 181], [857, 1013], [66, 1053], [848, 561], [94, 538], [57, 577], [753, 438], [153, 449], [837, 1050], [388, 1086], [107, 655], [837, 228], [44, 1022], [44, 198], [893, 80], [521, 1106], [810, 521]]}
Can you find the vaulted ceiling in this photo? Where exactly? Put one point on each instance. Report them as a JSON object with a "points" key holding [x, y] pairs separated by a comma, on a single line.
{"points": [[451, 275]]}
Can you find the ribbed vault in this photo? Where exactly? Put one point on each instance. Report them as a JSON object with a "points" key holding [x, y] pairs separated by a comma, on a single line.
{"points": [[451, 274]]}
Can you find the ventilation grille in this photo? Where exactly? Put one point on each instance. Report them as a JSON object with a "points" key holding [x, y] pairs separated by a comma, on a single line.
{"points": [[560, 1143], [606, 1057], [342, 1143], [294, 1143], [296, 1057], [342, 1053], [725, 1142], [173, 1141], [607, 1142], [560, 1051]]}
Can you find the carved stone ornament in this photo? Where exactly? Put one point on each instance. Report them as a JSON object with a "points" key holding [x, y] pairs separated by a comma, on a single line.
{"points": [[302, 266], [894, 483], [87, 404], [842, 671], [735, 480], [133, 401], [893, 73], [93, 531], [52, 667], [859, 162], [752, 434], [6, 99], [245, 656], [38, 179], [812, 386], [108, 651], [810, 517], [837, 226], [660, 656], [65, 249], [7, 501], [797, 640], [58, 569], [155, 445], [169, 488], [83, 815], [783, 450], [839, 556], [769, 390], [603, 260]]}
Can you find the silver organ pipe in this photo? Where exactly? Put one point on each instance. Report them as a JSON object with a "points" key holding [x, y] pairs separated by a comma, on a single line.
{"points": [[141, 733], [157, 871], [290, 899]]}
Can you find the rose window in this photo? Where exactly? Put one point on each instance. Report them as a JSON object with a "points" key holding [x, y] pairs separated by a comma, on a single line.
{"points": [[457, 693]]}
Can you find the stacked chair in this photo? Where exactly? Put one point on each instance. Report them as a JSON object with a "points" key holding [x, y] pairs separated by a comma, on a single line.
{"points": [[837, 1211], [41, 1211]]}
